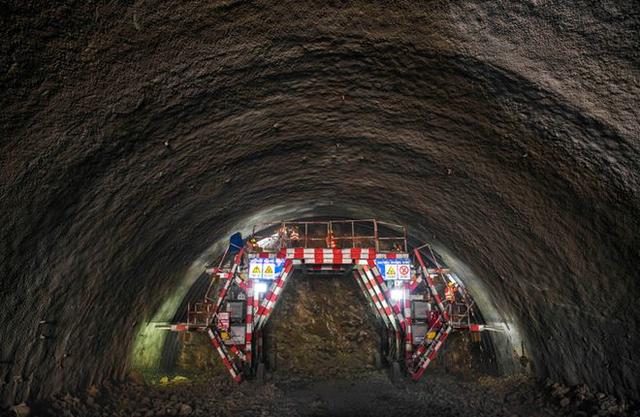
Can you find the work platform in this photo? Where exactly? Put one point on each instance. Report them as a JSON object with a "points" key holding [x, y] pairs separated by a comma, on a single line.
{"points": [[416, 300]]}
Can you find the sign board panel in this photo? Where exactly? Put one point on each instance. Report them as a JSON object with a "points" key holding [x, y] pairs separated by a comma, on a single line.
{"points": [[255, 269], [392, 269], [265, 268], [223, 321], [235, 309], [419, 331], [236, 334]]}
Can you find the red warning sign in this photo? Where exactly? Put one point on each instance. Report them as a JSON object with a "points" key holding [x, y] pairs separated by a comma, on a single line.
{"points": [[223, 320], [404, 272]]}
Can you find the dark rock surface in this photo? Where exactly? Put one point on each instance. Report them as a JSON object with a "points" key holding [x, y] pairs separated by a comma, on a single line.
{"points": [[322, 328], [134, 135]]}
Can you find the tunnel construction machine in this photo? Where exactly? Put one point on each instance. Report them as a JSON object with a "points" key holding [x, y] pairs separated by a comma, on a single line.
{"points": [[417, 301]]}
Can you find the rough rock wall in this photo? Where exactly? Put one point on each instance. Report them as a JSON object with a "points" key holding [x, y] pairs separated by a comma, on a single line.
{"points": [[131, 133], [323, 328]]}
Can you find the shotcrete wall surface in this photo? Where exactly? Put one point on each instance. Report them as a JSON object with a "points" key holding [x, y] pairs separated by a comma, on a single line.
{"points": [[134, 135]]}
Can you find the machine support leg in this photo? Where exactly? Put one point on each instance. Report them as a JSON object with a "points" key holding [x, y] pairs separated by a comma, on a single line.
{"points": [[224, 355], [271, 298], [248, 337], [431, 353]]}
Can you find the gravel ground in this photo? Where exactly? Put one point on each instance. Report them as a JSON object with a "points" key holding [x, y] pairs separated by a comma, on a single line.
{"points": [[370, 394]]}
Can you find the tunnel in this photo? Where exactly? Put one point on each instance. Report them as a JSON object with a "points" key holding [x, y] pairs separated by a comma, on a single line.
{"points": [[137, 136]]}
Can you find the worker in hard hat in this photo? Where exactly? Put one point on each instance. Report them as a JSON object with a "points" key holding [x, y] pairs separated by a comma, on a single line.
{"points": [[283, 236], [450, 292], [252, 245], [294, 236], [330, 240]]}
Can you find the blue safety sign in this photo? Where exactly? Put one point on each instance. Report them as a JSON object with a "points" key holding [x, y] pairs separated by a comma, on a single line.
{"points": [[392, 269], [265, 268]]}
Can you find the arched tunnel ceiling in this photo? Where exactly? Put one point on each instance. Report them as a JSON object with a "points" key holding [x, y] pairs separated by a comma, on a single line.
{"points": [[132, 135]]}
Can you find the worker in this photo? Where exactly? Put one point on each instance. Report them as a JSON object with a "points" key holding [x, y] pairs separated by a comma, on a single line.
{"points": [[397, 247], [450, 292], [294, 236], [252, 245], [330, 240], [283, 236]]}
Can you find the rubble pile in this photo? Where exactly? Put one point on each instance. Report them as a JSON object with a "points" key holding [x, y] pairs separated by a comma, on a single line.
{"points": [[371, 393], [582, 401]]}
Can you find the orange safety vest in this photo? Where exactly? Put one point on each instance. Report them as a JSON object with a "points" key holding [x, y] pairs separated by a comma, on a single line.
{"points": [[331, 242], [450, 294]]}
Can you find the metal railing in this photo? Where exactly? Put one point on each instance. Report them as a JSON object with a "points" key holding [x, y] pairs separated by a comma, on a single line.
{"points": [[342, 234]]}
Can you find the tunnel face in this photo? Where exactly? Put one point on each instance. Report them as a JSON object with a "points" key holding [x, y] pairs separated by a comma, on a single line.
{"points": [[136, 136]]}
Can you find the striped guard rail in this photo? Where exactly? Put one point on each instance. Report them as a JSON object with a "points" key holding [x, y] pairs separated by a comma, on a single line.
{"points": [[425, 341], [376, 273], [399, 312], [338, 256], [408, 332], [271, 297], [431, 353], [224, 355], [332, 268], [248, 337], [365, 293], [360, 274], [237, 352], [380, 296], [228, 280], [392, 255], [432, 287]]}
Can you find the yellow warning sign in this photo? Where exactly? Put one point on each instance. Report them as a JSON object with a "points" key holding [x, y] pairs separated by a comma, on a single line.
{"points": [[268, 270], [255, 270], [391, 272]]}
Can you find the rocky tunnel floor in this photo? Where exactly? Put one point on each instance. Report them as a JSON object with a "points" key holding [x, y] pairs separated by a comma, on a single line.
{"points": [[369, 394]]}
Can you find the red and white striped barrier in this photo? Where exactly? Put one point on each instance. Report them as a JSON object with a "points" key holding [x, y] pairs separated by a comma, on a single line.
{"points": [[271, 297], [422, 346], [431, 353], [361, 275], [408, 332], [248, 337], [323, 268], [432, 287], [356, 276], [376, 273], [372, 292], [380, 295], [392, 255], [231, 275], [237, 352], [224, 355], [327, 255]]}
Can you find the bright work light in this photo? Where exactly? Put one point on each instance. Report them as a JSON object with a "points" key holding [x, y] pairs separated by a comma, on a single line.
{"points": [[260, 287], [396, 294]]}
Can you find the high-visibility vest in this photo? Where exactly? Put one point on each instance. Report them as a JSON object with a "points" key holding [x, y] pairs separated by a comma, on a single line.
{"points": [[331, 242], [450, 294]]}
